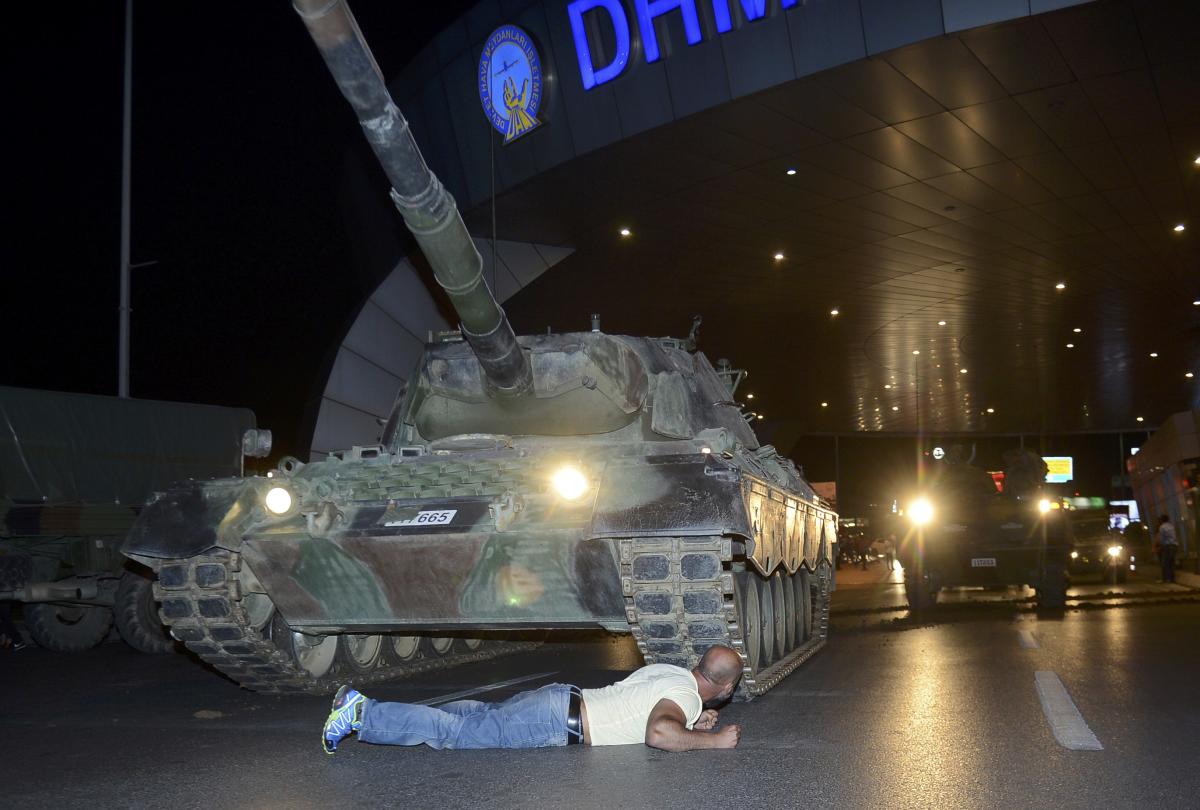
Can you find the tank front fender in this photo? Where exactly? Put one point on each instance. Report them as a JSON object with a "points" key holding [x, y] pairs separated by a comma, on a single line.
{"points": [[191, 518], [670, 496]]}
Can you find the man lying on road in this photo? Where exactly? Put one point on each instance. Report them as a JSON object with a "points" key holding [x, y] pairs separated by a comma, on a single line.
{"points": [[660, 705]]}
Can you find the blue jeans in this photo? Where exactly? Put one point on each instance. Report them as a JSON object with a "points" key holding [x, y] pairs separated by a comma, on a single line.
{"points": [[534, 719]]}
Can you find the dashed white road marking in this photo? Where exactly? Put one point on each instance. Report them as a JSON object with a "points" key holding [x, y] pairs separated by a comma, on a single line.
{"points": [[466, 693], [1027, 640], [1065, 721]]}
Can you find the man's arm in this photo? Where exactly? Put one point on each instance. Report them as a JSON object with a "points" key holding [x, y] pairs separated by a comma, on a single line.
{"points": [[667, 730]]}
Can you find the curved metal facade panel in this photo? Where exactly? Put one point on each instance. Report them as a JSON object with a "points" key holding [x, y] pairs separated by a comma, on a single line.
{"points": [[437, 90]]}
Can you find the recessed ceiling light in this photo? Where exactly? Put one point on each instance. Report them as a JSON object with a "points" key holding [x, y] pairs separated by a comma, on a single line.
{"points": [[1196, 303], [1140, 419], [778, 257], [749, 396], [791, 172], [760, 416], [1060, 286], [626, 232], [1197, 160], [833, 312], [895, 407], [1180, 228], [824, 404], [916, 351], [962, 371], [941, 323], [1189, 375], [1077, 330], [1154, 354], [887, 385], [991, 410]]}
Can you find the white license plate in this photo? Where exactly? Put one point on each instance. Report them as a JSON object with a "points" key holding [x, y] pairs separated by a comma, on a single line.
{"points": [[983, 562], [430, 517]]}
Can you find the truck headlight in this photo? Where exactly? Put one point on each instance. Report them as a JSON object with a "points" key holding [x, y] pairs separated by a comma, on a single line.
{"points": [[278, 501], [1115, 551], [920, 511], [1044, 506], [569, 483]]}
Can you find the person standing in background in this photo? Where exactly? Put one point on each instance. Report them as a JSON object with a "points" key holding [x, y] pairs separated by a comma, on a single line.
{"points": [[1168, 546]]}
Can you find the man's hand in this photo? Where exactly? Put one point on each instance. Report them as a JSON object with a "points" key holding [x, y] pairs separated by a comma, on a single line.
{"points": [[707, 720], [728, 736]]}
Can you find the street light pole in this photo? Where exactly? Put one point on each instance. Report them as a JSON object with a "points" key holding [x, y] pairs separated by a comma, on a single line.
{"points": [[123, 340]]}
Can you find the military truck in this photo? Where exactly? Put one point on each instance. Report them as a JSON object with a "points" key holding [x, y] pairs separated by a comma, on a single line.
{"points": [[550, 481], [74, 472], [962, 532]]}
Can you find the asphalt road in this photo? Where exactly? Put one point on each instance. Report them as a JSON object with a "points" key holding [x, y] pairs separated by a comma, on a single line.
{"points": [[892, 713]]}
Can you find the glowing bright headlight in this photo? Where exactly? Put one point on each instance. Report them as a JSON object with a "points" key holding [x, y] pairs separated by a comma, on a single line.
{"points": [[1115, 551], [1043, 506], [569, 483], [278, 500], [920, 511], [1074, 555]]}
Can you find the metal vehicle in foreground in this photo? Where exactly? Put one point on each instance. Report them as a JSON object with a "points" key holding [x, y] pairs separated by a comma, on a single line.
{"points": [[963, 532], [550, 481], [74, 471]]}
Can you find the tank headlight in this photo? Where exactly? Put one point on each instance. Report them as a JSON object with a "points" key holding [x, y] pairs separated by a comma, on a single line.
{"points": [[1043, 506], [569, 483], [1115, 551], [278, 500], [1074, 555], [920, 511]]}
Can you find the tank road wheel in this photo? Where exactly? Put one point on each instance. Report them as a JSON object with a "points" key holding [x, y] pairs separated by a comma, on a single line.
{"points": [[468, 644], [312, 654], [766, 611], [67, 628], [746, 587], [779, 606], [441, 645], [361, 652], [136, 614], [802, 586], [791, 626], [405, 647]]}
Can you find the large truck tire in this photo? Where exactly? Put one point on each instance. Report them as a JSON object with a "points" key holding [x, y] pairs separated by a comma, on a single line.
{"points": [[136, 615], [920, 595], [1052, 592], [67, 628]]}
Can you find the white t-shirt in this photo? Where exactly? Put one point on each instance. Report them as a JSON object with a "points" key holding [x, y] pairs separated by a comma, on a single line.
{"points": [[617, 714]]}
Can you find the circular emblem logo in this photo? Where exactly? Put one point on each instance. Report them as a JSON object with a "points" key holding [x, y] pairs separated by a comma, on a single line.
{"points": [[510, 82]]}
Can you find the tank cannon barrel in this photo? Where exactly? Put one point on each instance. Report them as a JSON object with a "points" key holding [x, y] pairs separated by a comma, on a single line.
{"points": [[428, 209]]}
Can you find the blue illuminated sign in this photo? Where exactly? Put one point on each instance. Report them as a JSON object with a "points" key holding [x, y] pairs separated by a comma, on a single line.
{"points": [[510, 82], [646, 12]]}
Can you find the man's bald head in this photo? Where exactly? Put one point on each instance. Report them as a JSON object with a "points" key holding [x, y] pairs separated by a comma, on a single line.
{"points": [[720, 665]]}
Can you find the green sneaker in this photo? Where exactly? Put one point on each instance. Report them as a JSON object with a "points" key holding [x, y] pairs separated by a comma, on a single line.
{"points": [[344, 719]]}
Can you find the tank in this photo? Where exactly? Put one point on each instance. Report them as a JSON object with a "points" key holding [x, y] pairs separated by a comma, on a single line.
{"points": [[964, 532], [520, 485]]}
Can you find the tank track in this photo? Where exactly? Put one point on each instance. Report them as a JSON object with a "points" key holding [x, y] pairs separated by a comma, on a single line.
{"points": [[680, 599], [201, 602]]}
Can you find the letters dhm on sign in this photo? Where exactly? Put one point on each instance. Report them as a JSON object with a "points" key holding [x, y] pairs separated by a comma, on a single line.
{"points": [[612, 13]]}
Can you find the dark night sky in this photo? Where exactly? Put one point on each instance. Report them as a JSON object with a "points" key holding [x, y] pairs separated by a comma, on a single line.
{"points": [[239, 136]]}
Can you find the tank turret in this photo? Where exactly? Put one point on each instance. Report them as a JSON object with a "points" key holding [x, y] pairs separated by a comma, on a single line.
{"points": [[428, 209]]}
